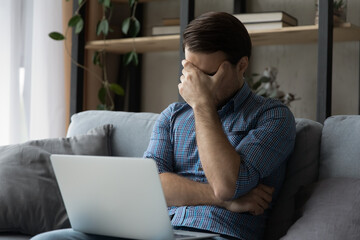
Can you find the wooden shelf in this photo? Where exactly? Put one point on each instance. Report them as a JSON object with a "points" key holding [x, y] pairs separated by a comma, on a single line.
{"points": [[142, 44], [283, 36], [303, 35], [140, 1]]}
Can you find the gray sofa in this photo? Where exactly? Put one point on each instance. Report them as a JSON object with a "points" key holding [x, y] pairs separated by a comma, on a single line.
{"points": [[320, 198]]}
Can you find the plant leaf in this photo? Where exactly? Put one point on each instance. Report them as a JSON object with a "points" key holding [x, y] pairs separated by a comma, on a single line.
{"points": [[102, 27], [256, 85], [74, 20], [102, 95], [105, 23], [131, 3], [56, 36], [96, 58], [126, 26], [131, 57], [135, 60], [80, 2], [101, 107], [107, 3], [127, 58], [134, 27], [261, 92], [264, 79], [79, 26], [117, 89]]}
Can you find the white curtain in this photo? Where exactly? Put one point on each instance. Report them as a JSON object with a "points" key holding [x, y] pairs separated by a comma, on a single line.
{"points": [[31, 71]]}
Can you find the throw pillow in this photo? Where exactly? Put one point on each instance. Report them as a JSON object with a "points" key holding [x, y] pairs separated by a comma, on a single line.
{"points": [[30, 200], [331, 211], [302, 169]]}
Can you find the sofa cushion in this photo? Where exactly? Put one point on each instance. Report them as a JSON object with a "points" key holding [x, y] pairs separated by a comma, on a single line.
{"points": [[131, 134], [302, 169], [332, 211], [339, 154], [30, 200]]}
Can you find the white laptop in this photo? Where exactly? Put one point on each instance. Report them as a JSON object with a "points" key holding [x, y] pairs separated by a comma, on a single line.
{"points": [[116, 196]]}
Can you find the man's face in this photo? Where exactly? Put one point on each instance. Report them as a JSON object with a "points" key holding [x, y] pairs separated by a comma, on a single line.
{"points": [[209, 65]]}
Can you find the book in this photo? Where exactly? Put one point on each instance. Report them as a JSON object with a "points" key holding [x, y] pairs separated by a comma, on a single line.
{"points": [[171, 21], [278, 16], [165, 30], [266, 25], [170, 30]]}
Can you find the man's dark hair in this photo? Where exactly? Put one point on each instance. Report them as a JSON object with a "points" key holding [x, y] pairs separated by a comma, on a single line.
{"points": [[218, 31]]}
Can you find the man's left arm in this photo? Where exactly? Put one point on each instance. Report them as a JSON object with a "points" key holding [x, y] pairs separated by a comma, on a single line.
{"points": [[233, 172]]}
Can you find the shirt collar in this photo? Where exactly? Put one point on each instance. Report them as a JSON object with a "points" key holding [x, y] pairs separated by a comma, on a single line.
{"points": [[236, 101]]}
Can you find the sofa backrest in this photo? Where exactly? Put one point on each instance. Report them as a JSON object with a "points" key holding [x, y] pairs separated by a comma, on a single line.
{"points": [[131, 133], [340, 147]]}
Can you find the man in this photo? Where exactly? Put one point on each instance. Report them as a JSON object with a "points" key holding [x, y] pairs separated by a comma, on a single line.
{"points": [[216, 150], [222, 153]]}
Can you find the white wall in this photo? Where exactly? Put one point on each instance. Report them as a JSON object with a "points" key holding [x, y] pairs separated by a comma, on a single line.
{"points": [[297, 64]]}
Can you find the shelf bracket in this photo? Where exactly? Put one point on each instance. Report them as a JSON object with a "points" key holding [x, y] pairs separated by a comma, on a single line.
{"points": [[239, 6], [325, 53]]}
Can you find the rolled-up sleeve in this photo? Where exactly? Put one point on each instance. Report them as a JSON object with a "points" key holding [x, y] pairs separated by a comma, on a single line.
{"points": [[160, 147], [265, 148]]}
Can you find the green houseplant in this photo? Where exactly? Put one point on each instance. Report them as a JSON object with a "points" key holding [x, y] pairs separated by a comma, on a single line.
{"points": [[266, 85], [130, 28]]}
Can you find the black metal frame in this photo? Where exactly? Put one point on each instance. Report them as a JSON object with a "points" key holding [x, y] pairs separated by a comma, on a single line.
{"points": [[325, 55], [187, 13], [77, 74]]}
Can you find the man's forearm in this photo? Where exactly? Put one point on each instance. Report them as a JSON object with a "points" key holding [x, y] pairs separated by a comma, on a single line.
{"points": [[180, 191], [218, 157]]}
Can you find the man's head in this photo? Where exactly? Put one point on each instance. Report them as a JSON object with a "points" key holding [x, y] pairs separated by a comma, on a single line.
{"points": [[217, 50], [218, 31]]}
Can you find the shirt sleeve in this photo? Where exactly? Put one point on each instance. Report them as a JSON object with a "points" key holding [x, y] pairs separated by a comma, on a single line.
{"points": [[160, 147], [265, 148]]}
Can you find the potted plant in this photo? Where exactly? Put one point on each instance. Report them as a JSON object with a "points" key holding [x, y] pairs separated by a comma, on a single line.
{"points": [[266, 85], [130, 28]]}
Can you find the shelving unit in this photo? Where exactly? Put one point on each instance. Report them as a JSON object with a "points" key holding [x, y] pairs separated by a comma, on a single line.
{"points": [[283, 36], [324, 34]]}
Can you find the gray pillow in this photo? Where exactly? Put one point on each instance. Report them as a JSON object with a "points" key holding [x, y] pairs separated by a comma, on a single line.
{"points": [[302, 169], [30, 200], [332, 211], [339, 138]]}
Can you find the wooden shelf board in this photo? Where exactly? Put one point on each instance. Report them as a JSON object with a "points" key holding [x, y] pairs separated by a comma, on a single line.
{"points": [[302, 35], [283, 36], [142, 44], [140, 1]]}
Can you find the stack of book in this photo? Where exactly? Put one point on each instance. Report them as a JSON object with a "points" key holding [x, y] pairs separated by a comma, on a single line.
{"points": [[266, 20], [170, 26], [252, 21]]}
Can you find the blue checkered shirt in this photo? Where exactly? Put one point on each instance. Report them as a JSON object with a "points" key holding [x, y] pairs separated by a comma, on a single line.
{"points": [[261, 130]]}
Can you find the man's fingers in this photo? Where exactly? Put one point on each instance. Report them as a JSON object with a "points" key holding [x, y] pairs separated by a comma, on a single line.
{"points": [[222, 70], [186, 64], [269, 190], [264, 192], [182, 78], [261, 202]]}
